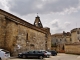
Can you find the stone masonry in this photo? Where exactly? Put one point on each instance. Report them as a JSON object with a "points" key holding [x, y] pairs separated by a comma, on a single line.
{"points": [[73, 48]]}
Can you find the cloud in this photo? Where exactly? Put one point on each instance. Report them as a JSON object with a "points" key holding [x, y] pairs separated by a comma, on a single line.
{"points": [[58, 26], [67, 24], [55, 26], [42, 6], [4, 5], [55, 23]]}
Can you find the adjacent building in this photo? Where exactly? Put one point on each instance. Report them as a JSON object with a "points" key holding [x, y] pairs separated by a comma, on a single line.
{"points": [[75, 35], [59, 40], [74, 46], [17, 35]]}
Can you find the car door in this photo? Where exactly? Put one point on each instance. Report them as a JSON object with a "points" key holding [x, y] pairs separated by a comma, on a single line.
{"points": [[35, 54], [2, 55], [30, 54]]}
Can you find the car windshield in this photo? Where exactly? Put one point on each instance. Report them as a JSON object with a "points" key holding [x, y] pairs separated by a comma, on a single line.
{"points": [[4, 50], [44, 51]]}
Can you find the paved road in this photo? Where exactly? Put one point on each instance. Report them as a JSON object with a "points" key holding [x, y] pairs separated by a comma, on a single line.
{"points": [[24, 59], [60, 56]]}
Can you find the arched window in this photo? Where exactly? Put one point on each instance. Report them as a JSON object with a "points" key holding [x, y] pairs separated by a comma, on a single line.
{"points": [[63, 47], [27, 36]]}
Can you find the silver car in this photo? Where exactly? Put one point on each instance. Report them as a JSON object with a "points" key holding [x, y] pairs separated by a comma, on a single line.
{"points": [[47, 53], [4, 54]]}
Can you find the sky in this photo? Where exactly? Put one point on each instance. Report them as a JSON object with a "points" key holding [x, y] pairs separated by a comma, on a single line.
{"points": [[58, 15]]}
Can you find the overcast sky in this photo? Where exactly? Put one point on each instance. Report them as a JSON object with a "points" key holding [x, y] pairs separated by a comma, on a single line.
{"points": [[58, 15]]}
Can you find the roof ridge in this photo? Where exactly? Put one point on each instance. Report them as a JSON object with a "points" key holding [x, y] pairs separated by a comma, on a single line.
{"points": [[17, 20]]}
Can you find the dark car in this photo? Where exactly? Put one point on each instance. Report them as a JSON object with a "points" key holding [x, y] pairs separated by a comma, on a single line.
{"points": [[53, 53], [32, 54]]}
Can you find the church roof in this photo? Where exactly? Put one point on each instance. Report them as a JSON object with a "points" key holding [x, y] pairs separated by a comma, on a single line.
{"points": [[20, 21]]}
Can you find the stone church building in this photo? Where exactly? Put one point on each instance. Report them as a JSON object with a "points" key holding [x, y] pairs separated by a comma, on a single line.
{"points": [[18, 35]]}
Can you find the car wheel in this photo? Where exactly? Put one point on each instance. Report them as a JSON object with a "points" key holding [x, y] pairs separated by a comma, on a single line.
{"points": [[41, 57], [55, 54], [23, 56]]}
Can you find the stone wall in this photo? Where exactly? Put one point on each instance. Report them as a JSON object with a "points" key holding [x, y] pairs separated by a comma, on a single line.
{"points": [[74, 37], [72, 48], [20, 38], [2, 30], [48, 39], [17, 38]]}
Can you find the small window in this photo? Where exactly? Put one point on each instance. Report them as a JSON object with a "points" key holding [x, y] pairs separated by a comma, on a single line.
{"points": [[56, 40], [35, 23], [65, 40], [77, 32], [39, 22], [27, 36], [70, 39], [63, 47], [60, 40]]}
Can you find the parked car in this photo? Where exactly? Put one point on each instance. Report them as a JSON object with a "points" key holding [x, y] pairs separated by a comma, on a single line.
{"points": [[47, 53], [32, 54], [4, 54], [53, 53]]}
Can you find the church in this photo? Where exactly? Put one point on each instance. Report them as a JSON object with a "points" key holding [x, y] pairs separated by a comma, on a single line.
{"points": [[18, 35]]}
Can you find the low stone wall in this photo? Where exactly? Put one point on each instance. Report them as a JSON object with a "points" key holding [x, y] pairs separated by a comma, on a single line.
{"points": [[72, 48]]}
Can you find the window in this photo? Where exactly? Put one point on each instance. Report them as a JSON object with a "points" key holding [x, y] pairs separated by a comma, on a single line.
{"points": [[60, 40], [65, 40], [46, 35], [27, 36], [35, 23], [78, 38], [33, 51], [77, 32], [56, 40], [63, 47], [39, 21], [70, 39]]}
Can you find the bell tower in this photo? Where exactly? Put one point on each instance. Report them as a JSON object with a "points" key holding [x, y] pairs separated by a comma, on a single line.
{"points": [[37, 22]]}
